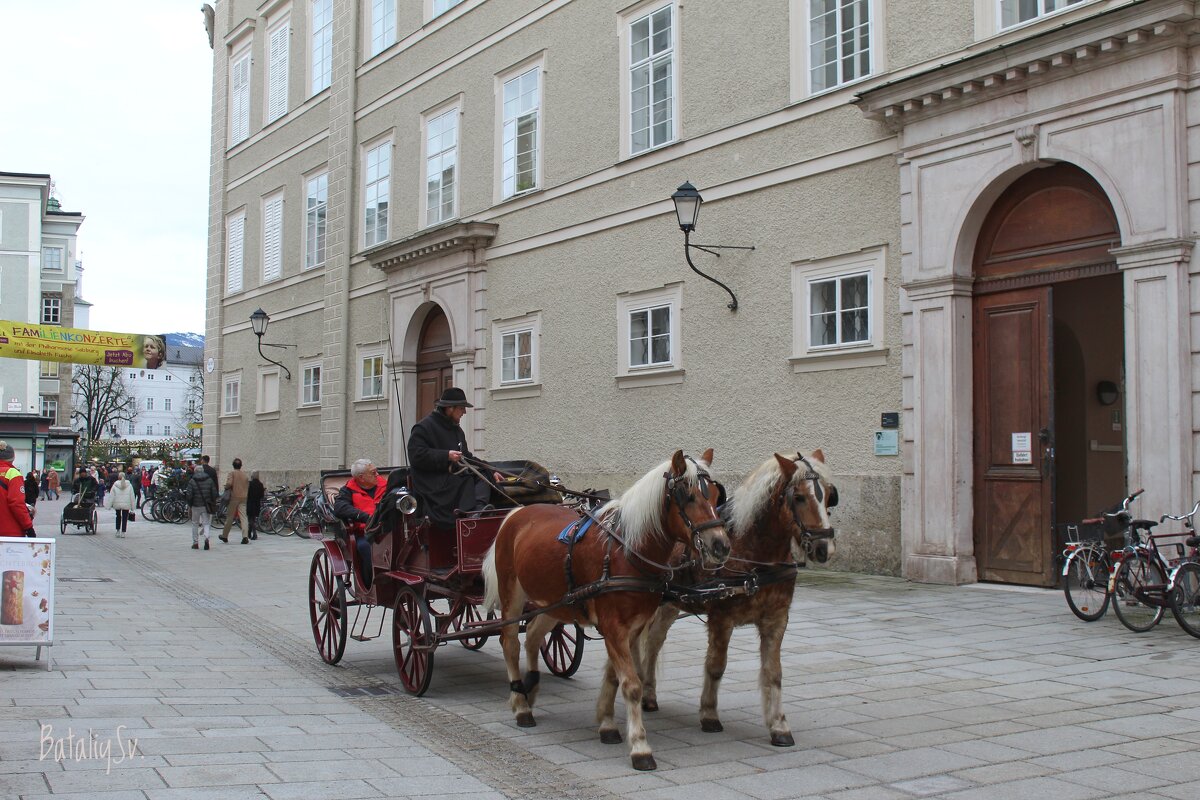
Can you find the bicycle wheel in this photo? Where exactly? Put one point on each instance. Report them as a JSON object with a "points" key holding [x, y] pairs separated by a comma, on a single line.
{"points": [[1137, 592], [264, 520], [1185, 598], [288, 523], [1085, 583]]}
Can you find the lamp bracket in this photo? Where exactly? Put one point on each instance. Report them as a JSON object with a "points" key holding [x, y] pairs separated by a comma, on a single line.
{"points": [[286, 371], [687, 246]]}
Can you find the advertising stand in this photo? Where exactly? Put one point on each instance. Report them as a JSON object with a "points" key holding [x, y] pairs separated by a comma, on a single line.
{"points": [[27, 594]]}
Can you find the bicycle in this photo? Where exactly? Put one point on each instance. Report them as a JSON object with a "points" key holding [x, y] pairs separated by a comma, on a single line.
{"points": [[271, 501], [1089, 559], [1140, 587], [296, 513]]}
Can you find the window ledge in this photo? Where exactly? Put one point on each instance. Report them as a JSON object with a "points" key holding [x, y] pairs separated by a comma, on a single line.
{"points": [[370, 404], [516, 391], [636, 380], [266, 415], [313, 410], [841, 359], [230, 418]]}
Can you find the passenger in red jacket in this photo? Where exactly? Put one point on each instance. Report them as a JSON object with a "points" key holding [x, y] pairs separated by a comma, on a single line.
{"points": [[356, 502], [14, 516]]}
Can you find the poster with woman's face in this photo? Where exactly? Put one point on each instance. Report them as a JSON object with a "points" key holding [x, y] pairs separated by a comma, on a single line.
{"points": [[153, 350]]}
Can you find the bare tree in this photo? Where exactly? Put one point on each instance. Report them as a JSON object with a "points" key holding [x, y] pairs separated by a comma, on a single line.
{"points": [[101, 400], [191, 410]]}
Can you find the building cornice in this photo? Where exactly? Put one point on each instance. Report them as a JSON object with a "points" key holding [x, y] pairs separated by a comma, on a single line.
{"points": [[945, 286], [427, 245], [1075, 47], [241, 29]]}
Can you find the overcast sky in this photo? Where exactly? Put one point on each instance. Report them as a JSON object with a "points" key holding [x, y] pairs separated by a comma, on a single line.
{"points": [[112, 100]]}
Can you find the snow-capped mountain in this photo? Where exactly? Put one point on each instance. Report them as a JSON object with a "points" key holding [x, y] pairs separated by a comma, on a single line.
{"points": [[185, 340]]}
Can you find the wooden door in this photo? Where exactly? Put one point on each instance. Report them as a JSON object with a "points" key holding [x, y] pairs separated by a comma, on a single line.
{"points": [[434, 373], [1014, 435]]}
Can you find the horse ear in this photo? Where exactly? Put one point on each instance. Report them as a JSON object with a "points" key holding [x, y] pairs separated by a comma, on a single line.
{"points": [[787, 467], [818, 455], [707, 456], [678, 464]]}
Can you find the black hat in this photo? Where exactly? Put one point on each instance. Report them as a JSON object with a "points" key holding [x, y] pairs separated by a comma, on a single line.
{"points": [[452, 397]]}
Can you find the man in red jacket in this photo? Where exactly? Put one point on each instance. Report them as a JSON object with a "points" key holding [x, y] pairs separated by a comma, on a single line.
{"points": [[355, 503], [14, 516]]}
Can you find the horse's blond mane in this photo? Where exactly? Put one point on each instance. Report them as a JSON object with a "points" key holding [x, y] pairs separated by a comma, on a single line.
{"points": [[749, 501], [638, 511]]}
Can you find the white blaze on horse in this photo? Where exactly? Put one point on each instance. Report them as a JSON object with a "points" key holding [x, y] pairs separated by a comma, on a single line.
{"points": [[776, 519], [611, 578]]}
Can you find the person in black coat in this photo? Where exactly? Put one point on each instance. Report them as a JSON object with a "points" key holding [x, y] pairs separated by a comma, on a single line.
{"points": [[436, 450], [254, 498], [31, 488]]}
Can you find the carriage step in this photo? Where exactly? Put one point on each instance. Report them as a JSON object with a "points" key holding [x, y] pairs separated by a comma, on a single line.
{"points": [[358, 637]]}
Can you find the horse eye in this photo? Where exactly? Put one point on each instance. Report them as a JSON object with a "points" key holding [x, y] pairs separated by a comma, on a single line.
{"points": [[833, 497]]}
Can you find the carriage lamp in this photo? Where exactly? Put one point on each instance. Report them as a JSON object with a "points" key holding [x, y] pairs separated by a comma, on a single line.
{"points": [[258, 321], [687, 202]]}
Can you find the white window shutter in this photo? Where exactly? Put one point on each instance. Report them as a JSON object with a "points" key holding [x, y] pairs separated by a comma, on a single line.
{"points": [[240, 100], [277, 77], [272, 239], [233, 259]]}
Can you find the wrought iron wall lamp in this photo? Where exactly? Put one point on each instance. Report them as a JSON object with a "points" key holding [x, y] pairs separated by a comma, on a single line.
{"points": [[258, 321], [687, 208]]}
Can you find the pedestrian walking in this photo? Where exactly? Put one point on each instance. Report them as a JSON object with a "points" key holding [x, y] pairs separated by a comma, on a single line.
{"points": [[254, 497], [135, 478], [122, 502], [238, 484], [44, 485], [31, 487], [201, 496], [55, 483]]}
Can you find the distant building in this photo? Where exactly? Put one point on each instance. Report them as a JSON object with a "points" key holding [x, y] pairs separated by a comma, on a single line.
{"points": [[39, 270], [168, 398]]}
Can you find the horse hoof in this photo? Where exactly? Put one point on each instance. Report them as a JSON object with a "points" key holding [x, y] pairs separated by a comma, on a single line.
{"points": [[711, 725], [644, 763], [650, 704], [782, 740], [610, 737], [525, 720]]}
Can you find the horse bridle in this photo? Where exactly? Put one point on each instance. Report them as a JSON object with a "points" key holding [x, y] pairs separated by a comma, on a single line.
{"points": [[680, 495], [809, 537]]}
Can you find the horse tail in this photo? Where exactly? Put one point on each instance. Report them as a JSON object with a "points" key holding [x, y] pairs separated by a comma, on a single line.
{"points": [[491, 580]]}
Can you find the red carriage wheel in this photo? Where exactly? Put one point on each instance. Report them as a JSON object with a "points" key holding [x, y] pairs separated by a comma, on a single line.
{"points": [[413, 640], [327, 608], [470, 616], [563, 649]]}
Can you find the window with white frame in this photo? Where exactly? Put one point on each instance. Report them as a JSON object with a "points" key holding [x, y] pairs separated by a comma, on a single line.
{"points": [[316, 203], [191, 406], [648, 327], [268, 392], [442, 6], [377, 181], [515, 345], [149, 403], [166, 404], [1014, 12], [322, 45], [441, 160], [166, 430], [239, 97], [235, 230], [49, 369], [52, 259], [50, 408], [167, 377], [651, 76], [837, 303], [278, 41], [520, 136], [839, 42], [272, 244], [133, 429], [231, 395], [51, 311], [149, 430], [370, 374], [310, 384], [383, 25]]}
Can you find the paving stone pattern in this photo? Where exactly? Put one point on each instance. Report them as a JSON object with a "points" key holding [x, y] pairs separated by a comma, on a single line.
{"points": [[893, 690]]}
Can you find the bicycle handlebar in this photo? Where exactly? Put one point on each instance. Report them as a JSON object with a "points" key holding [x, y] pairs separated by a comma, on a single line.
{"points": [[1183, 517]]}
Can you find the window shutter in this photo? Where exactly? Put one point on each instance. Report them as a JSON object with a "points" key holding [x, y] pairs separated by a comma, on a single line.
{"points": [[233, 259], [272, 236], [277, 78], [240, 100]]}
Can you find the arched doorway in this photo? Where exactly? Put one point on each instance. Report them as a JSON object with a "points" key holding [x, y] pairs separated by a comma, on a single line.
{"points": [[434, 372], [1047, 328]]}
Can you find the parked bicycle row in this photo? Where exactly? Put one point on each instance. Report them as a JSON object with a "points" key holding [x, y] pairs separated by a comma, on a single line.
{"points": [[1118, 561], [284, 511]]}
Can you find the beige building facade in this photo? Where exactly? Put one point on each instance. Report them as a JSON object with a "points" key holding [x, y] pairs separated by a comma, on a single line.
{"points": [[422, 193]]}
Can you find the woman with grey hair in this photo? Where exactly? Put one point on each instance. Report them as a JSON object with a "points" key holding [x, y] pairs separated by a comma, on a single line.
{"points": [[254, 497], [122, 502]]}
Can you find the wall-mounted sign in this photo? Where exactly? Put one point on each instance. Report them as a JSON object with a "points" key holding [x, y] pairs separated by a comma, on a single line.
{"points": [[1022, 448], [887, 443]]}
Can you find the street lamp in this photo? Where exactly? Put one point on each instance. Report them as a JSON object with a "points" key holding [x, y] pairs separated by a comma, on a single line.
{"points": [[687, 209], [258, 322]]}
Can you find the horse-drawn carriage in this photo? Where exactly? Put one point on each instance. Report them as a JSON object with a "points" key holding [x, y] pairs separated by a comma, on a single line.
{"points": [[429, 577], [80, 512]]}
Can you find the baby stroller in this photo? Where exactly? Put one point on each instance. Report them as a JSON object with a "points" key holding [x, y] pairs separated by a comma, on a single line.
{"points": [[80, 512]]}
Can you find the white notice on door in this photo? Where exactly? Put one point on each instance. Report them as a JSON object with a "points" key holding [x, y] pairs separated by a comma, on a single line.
{"points": [[1022, 457], [1022, 442]]}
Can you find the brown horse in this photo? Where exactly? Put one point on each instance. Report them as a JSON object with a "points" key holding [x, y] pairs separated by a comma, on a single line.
{"points": [[780, 513], [624, 557]]}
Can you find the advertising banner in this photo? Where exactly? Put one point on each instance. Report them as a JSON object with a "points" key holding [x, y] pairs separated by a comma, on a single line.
{"points": [[26, 591], [75, 346]]}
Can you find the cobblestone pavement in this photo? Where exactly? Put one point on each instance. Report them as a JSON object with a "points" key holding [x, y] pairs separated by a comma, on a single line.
{"points": [[893, 690]]}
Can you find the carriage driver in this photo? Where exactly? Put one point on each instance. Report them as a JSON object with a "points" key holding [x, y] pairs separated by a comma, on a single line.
{"points": [[436, 450], [356, 501]]}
